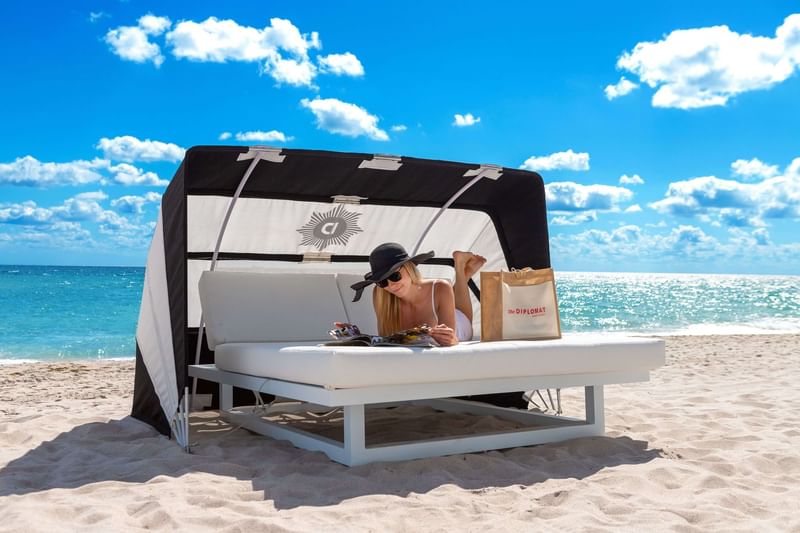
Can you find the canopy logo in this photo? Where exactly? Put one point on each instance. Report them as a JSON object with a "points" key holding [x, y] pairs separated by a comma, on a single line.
{"points": [[336, 226]]}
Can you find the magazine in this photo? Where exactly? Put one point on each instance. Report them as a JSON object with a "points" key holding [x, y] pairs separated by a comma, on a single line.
{"points": [[349, 335]]}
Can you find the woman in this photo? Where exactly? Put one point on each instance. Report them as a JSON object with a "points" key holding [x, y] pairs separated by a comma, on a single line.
{"points": [[403, 299]]}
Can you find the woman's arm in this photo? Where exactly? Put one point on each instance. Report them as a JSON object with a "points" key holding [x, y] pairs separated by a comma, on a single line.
{"points": [[445, 331]]}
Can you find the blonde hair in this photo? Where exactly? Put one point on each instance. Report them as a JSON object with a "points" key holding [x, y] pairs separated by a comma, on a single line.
{"points": [[387, 305]]}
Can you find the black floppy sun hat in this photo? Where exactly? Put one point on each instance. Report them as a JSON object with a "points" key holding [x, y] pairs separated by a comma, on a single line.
{"points": [[385, 260]]}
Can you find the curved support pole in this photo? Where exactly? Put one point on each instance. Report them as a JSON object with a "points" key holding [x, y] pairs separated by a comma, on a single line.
{"points": [[485, 171], [222, 229]]}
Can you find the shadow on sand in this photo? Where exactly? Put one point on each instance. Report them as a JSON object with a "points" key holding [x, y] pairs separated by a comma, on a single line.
{"points": [[129, 451]]}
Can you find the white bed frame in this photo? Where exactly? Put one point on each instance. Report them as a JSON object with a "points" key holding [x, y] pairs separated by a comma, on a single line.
{"points": [[540, 428]]}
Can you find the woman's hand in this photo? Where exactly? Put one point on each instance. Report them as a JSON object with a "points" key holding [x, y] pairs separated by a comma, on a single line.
{"points": [[444, 335]]}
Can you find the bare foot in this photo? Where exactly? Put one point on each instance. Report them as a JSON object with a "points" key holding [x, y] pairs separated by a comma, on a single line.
{"points": [[468, 262]]}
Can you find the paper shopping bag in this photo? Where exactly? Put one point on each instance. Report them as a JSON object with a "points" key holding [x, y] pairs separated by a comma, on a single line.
{"points": [[520, 304]]}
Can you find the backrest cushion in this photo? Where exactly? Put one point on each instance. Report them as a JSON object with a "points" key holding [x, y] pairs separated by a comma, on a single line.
{"points": [[360, 313], [269, 306]]}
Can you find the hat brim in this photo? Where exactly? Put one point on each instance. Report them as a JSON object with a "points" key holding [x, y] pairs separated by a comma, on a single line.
{"points": [[370, 279]]}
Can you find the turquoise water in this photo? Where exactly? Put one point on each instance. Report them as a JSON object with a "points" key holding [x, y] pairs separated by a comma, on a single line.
{"points": [[50, 313]]}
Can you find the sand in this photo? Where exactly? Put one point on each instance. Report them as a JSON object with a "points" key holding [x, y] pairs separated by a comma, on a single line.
{"points": [[711, 443]]}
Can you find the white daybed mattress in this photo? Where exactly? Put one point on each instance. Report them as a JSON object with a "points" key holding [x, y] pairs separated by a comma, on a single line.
{"points": [[345, 367]]}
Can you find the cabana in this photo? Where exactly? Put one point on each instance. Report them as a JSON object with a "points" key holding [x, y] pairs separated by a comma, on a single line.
{"points": [[271, 210]]}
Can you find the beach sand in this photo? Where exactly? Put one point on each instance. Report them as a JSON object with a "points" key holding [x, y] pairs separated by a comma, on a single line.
{"points": [[711, 443]]}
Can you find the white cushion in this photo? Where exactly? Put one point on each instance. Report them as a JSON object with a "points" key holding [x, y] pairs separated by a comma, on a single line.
{"points": [[353, 366], [252, 307], [360, 313]]}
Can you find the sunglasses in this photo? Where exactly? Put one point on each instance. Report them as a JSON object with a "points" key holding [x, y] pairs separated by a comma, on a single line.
{"points": [[394, 277]]}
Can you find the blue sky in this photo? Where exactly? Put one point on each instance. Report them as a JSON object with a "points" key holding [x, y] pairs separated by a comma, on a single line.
{"points": [[667, 134]]}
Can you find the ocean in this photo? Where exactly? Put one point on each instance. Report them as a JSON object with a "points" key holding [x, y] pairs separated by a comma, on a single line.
{"points": [[55, 312]]}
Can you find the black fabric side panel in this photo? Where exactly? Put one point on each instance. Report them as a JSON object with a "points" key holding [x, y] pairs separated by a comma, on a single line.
{"points": [[173, 213], [146, 406]]}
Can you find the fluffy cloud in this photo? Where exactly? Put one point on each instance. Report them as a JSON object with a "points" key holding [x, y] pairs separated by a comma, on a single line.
{"points": [[344, 118], [134, 205], [732, 202], [574, 220], [621, 88], [63, 225], [345, 64], [568, 160], [94, 16], [631, 180], [225, 135], [26, 213], [399, 127], [129, 149], [125, 174], [30, 172], [753, 169], [133, 42], [465, 120], [281, 49], [629, 241], [707, 66], [571, 196], [263, 136]]}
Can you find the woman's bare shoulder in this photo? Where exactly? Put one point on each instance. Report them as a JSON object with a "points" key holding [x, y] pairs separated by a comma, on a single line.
{"points": [[442, 287]]}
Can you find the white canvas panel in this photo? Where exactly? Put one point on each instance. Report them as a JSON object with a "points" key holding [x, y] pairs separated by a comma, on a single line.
{"points": [[154, 329], [260, 225], [195, 268]]}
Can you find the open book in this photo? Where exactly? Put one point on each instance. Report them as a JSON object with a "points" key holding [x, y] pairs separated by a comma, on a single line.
{"points": [[350, 335]]}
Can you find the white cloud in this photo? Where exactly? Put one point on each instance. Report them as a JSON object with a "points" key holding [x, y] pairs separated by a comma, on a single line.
{"points": [[62, 225], [753, 169], [570, 196], [344, 118], [153, 25], [630, 242], [27, 213], [631, 180], [399, 127], [225, 135], [280, 49], [635, 208], [263, 136], [465, 120], [622, 87], [574, 220], [29, 171], [707, 66], [133, 42], [129, 149], [135, 204], [220, 41], [346, 64], [733, 202], [568, 160], [290, 71], [94, 16], [125, 174]]}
